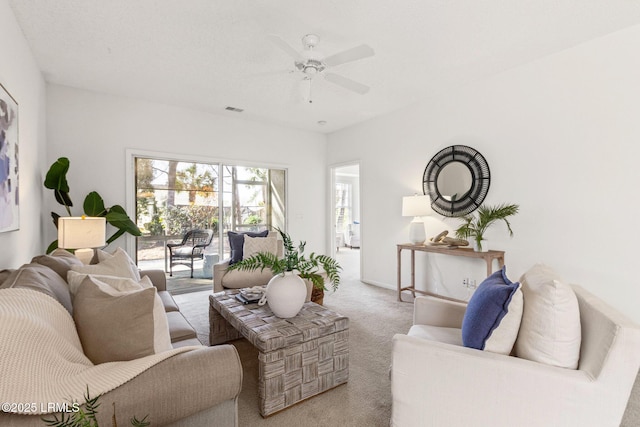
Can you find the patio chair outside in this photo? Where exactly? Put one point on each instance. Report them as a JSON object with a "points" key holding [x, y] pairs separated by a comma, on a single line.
{"points": [[191, 248]]}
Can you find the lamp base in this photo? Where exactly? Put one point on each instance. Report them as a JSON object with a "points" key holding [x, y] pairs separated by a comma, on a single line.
{"points": [[84, 255], [417, 235]]}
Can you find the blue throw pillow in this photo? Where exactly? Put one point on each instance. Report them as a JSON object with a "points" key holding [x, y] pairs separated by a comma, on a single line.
{"points": [[492, 319], [236, 243]]}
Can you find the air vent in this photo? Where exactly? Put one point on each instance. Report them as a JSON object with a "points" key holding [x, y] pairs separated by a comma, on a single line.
{"points": [[234, 109]]}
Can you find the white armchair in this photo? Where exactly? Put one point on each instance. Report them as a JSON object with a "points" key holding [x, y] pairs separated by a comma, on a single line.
{"points": [[437, 382], [353, 235]]}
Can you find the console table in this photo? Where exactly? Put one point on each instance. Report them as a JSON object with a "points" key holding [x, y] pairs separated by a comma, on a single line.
{"points": [[488, 256]]}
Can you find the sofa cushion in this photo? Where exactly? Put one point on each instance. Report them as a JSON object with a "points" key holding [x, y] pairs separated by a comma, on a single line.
{"points": [[492, 319], [42, 279], [116, 264], [236, 279], [168, 301], [550, 332], [59, 260], [236, 243], [436, 333], [179, 328], [116, 325]]}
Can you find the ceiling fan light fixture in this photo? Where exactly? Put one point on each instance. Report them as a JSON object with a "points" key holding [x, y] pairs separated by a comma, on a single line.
{"points": [[310, 41], [311, 67], [311, 62]]}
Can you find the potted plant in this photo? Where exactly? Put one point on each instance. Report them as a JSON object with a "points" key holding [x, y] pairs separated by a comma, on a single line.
{"points": [[474, 226], [287, 291], [56, 180]]}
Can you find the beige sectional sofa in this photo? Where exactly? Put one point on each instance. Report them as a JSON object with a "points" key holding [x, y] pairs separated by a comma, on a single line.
{"points": [[191, 385]]}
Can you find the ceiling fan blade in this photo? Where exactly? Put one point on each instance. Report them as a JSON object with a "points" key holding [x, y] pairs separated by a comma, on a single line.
{"points": [[283, 71], [362, 51], [285, 47], [347, 83]]}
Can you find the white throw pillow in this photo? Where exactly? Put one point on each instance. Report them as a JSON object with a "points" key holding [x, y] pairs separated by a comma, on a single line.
{"points": [[118, 286], [123, 284], [117, 264], [550, 330], [253, 245]]}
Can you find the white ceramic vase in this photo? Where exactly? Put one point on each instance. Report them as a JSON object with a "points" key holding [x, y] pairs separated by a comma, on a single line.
{"points": [[484, 244], [286, 294]]}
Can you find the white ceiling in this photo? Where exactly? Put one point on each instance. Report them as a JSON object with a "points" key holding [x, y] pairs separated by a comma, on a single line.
{"points": [[209, 54]]}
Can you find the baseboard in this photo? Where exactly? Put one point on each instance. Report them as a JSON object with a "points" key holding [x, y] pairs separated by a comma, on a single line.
{"points": [[379, 284]]}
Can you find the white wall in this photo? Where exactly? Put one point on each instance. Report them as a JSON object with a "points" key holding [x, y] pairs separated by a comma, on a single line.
{"points": [[20, 75], [94, 131], [562, 138]]}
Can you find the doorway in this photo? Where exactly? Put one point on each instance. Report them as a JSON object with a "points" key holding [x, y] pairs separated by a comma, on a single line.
{"points": [[346, 219]]}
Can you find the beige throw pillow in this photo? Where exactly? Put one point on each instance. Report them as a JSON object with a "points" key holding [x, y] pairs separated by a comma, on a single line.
{"points": [[122, 284], [117, 264], [118, 325], [253, 245]]}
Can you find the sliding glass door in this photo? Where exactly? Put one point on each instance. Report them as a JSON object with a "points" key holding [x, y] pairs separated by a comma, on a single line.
{"points": [[174, 196]]}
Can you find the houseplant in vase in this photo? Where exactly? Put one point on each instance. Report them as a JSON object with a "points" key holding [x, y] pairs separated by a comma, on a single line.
{"points": [[93, 206], [287, 291], [476, 224]]}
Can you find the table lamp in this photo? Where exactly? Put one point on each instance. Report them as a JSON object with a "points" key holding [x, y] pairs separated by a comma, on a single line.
{"points": [[82, 233], [416, 206]]}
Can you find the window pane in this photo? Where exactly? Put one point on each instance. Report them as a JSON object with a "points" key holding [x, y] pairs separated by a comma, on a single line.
{"points": [[173, 197]]}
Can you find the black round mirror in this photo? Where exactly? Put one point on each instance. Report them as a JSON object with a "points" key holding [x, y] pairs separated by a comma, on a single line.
{"points": [[457, 180]]}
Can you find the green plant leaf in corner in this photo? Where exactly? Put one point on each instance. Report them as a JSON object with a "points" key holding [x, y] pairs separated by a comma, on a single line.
{"points": [[52, 247], [94, 205], [56, 180], [118, 217]]}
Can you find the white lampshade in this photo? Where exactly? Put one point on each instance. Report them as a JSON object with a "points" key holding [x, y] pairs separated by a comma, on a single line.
{"points": [[81, 233], [416, 206]]}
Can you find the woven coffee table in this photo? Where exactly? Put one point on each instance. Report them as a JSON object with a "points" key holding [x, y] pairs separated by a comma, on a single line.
{"points": [[298, 357]]}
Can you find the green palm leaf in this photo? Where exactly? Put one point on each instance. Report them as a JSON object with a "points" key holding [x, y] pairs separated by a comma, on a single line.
{"points": [[474, 226], [312, 268]]}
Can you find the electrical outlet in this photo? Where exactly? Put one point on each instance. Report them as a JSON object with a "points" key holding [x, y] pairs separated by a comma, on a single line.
{"points": [[469, 283]]}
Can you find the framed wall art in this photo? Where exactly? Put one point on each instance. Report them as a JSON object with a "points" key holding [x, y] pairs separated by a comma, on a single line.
{"points": [[9, 198]]}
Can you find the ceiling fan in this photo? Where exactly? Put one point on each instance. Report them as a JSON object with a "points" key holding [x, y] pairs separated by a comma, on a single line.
{"points": [[313, 63]]}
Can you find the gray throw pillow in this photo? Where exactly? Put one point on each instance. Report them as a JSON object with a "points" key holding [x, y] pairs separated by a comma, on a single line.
{"points": [[112, 325], [43, 279]]}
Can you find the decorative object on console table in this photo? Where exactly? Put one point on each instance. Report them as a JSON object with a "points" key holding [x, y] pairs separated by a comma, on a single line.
{"points": [[82, 234], [9, 195], [416, 206], [286, 291], [475, 226], [443, 240]]}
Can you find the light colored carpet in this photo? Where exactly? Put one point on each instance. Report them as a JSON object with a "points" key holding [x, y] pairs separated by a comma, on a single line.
{"points": [[374, 316]]}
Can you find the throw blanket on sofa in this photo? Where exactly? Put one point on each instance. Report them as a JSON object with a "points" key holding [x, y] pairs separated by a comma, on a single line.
{"points": [[41, 358]]}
